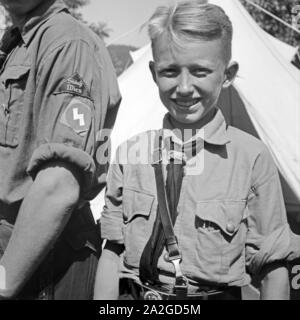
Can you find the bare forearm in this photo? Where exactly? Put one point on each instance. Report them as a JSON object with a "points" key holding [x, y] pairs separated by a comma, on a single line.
{"points": [[275, 285], [41, 219], [107, 278]]}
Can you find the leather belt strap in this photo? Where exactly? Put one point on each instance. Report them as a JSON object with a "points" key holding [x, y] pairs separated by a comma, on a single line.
{"points": [[163, 233], [180, 288], [171, 240], [148, 292]]}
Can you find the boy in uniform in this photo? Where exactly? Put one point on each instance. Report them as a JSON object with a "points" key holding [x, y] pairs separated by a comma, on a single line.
{"points": [[216, 184]]}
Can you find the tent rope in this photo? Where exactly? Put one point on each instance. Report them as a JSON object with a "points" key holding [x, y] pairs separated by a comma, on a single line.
{"points": [[273, 16], [125, 34]]}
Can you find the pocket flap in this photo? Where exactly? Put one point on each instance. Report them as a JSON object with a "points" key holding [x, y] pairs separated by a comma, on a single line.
{"points": [[14, 73], [228, 215], [136, 203]]}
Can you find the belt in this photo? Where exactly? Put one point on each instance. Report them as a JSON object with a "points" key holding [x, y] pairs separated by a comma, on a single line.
{"points": [[142, 291]]}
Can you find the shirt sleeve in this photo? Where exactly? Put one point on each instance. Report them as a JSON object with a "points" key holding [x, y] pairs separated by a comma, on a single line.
{"points": [[268, 237], [112, 215], [75, 106]]}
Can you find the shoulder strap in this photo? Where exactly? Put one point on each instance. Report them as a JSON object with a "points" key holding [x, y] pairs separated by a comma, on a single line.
{"points": [[164, 213], [163, 232]]}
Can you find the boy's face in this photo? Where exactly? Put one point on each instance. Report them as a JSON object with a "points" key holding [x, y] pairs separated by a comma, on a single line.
{"points": [[190, 78]]}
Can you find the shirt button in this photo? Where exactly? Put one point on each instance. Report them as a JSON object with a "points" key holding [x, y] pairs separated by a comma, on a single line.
{"points": [[230, 227]]}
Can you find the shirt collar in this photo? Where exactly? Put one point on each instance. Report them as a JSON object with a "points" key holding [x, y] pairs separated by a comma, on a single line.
{"points": [[214, 132], [40, 15]]}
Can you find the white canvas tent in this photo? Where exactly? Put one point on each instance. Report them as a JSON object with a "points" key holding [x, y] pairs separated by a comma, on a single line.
{"points": [[264, 101]]}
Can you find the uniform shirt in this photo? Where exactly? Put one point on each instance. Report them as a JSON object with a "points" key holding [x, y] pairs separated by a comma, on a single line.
{"points": [[231, 212], [58, 89]]}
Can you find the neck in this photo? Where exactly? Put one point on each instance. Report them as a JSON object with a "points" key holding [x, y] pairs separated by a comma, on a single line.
{"points": [[193, 128]]}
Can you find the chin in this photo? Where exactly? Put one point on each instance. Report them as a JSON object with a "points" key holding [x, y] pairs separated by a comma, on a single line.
{"points": [[186, 120], [189, 118]]}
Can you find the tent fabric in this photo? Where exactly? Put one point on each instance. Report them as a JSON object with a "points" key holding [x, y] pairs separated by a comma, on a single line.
{"points": [[287, 51], [282, 48], [270, 89], [264, 101]]}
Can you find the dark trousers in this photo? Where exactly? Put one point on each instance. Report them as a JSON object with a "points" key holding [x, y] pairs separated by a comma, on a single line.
{"points": [[68, 272]]}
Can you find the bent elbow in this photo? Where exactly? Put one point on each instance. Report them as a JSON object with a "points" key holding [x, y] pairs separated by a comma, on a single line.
{"points": [[59, 181]]}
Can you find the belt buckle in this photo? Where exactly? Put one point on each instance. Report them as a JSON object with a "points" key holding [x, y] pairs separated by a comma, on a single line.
{"points": [[176, 264], [152, 295], [181, 287], [181, 282]]}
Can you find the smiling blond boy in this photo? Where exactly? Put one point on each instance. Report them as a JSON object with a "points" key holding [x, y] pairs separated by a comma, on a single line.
{"points": [[230, 219]]}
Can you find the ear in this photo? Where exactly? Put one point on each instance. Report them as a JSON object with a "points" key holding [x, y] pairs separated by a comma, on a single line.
{"points": [[230, 73], [152, 69]]}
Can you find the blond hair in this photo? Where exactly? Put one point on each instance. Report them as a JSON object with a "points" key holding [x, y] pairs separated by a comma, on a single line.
{"points": [[191, 20]]}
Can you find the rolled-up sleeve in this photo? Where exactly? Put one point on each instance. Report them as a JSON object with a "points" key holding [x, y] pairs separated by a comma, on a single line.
{"points": [[57, 151], [74, 101], [268, 237]]}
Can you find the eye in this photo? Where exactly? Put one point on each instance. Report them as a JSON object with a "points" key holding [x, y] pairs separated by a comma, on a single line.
{"points": [[168, 72], [200, 72]]}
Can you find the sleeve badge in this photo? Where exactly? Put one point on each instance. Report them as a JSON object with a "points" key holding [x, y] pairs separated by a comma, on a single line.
{"points": [[75, 86], [77, 116]]}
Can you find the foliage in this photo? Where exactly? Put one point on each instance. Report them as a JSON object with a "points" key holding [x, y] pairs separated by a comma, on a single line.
{"points": [[99, 28], [120, 54], [280, 8], [75, 4]]}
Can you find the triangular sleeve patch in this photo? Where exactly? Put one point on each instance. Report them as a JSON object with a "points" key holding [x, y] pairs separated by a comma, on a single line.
{"points": [[74, 85]]}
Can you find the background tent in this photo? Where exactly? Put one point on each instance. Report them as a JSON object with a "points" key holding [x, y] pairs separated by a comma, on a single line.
{"points": [[264, 101]]}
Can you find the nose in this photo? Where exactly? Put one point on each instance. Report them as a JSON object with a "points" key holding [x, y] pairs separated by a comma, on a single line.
{"points": [[184, 86]]}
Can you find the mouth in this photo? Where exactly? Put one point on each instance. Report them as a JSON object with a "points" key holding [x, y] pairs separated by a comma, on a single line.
{"points": [[187, 103]]}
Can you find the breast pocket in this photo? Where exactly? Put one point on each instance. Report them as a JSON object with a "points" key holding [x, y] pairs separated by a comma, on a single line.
{"points": [[221, 227], [12, 90], [138, 223]]}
